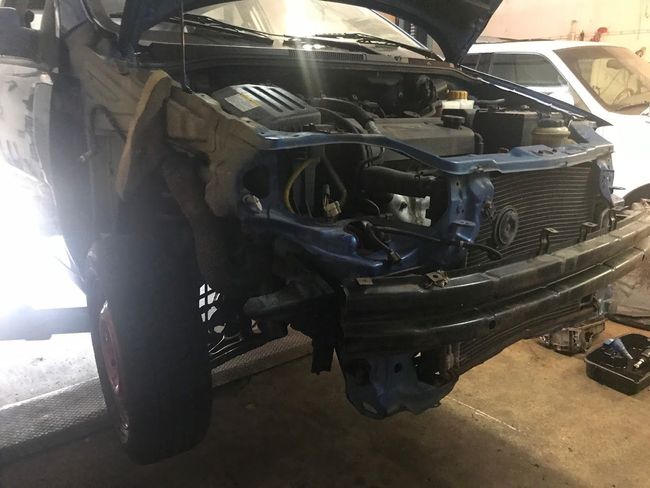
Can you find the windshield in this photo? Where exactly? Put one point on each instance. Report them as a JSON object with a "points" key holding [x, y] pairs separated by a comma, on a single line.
{"points": [[299, 18], [615, 76]]}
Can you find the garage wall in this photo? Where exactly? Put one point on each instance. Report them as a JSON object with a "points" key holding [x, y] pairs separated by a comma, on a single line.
{"points": [[628, 21]]}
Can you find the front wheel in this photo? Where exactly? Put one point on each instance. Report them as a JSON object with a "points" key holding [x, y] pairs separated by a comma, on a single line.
{"points": [[150, 347]]}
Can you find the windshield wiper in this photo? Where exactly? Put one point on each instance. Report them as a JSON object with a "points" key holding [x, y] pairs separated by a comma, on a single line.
{"points": [[348, 46], [203, 21], [362, 38]]}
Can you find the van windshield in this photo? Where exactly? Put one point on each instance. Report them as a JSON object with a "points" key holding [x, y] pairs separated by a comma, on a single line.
{"points": [[299, 18], [615, 76]]}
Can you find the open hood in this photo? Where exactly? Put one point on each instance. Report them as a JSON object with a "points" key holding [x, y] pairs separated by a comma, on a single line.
{"points": [[453, 24]]}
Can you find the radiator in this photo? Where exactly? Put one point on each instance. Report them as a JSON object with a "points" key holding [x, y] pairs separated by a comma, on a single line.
{"points": [[563, 199]]}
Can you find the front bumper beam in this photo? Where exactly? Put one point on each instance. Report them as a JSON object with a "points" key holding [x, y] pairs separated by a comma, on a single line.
{"points": [[500, 305]]}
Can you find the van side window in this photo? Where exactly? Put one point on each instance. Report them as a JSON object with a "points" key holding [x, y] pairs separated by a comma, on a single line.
{"points": [[479, 62], [526, 69], [471, 60], [484, 62]]}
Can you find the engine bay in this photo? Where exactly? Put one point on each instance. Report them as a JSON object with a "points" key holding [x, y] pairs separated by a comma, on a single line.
{"points": [[381, 209]]}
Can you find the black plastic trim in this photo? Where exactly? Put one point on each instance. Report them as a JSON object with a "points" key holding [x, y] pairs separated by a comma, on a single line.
{"points": [[407, 313]]}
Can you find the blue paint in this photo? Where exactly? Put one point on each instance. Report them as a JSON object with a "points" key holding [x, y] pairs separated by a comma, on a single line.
{"points": [[519, 159]]}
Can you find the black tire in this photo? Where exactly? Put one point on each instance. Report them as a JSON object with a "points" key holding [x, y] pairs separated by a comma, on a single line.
{"points": [[161, 405]]}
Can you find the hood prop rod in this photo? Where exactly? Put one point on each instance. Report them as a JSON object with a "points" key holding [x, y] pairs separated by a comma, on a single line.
{"points": [[185, 81]]}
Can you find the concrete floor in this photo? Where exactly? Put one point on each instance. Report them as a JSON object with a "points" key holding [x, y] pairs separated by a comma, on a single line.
{"points": [[527, 418], [32, 368]]}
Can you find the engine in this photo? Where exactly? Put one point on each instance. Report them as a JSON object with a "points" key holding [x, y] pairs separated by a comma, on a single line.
{"points": [[368, 190], [356, 179]]}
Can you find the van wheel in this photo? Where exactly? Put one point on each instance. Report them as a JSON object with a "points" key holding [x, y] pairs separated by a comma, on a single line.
{"points": [[150, 347]]}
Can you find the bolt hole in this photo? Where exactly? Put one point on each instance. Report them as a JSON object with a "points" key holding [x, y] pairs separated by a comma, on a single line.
{"points": [[398, 367], [492, 324]]}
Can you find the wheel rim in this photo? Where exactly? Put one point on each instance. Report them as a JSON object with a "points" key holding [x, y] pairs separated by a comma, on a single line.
{"points": [[109, 345]]}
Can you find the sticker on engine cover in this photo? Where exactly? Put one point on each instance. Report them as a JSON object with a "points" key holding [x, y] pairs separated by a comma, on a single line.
{"points": [[243, 102]]}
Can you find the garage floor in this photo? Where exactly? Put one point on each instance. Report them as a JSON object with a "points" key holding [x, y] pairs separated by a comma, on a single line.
{"points": [[528, 417]]}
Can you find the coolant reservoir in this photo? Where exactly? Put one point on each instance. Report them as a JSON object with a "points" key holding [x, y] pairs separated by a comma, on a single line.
{"points": [[551, 133], [457, 99]]}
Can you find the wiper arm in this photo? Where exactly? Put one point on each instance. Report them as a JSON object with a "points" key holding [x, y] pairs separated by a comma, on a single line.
{"points": [[203, 21], [349, 46], [370, 39]]}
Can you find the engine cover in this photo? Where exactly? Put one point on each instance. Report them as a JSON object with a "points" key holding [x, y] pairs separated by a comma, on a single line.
{"points": [[270, 106]]}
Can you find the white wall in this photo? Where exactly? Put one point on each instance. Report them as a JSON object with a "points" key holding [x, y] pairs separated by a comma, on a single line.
{"points": [[628, 21]]}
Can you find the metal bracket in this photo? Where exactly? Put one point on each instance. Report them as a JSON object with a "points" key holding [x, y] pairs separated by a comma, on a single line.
{"points": [[381, 386], [585, 229], [437, 278], [545, 239], [612, 218]]}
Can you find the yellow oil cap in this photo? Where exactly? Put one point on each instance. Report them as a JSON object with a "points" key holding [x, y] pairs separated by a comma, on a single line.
{"points": [[457, 95]]}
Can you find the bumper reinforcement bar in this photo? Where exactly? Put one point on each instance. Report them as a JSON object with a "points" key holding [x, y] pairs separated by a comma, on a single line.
{"points": [[405, 313]]}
